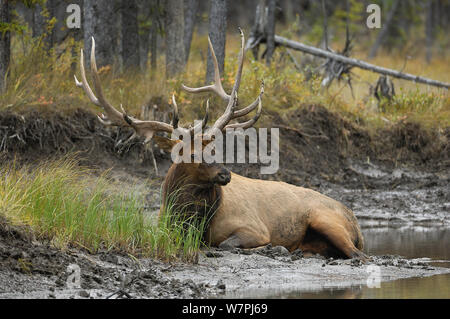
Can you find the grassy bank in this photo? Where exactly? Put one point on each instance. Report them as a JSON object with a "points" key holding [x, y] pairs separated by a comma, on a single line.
{"points": [[61, 202]]}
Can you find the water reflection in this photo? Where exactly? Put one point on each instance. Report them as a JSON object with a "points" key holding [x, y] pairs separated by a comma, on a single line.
{"points": [[409, 242], [433, 287]]}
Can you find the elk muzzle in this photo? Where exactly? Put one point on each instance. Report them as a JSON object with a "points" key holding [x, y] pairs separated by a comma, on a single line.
{"points": [[223, 177]]}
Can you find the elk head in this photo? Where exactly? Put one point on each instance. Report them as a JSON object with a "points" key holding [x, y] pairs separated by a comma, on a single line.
{"points": [[202, 173]]}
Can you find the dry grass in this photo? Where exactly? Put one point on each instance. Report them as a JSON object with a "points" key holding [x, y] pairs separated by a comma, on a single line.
{"points": [[45, 81]]}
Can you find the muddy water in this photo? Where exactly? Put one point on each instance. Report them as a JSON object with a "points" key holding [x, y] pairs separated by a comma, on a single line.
{"points": [[430, 243], [427, 243]]}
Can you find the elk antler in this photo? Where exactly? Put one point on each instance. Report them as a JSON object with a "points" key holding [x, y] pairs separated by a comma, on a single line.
{"points": [[217, 86], [113, 117], [232, 99]]}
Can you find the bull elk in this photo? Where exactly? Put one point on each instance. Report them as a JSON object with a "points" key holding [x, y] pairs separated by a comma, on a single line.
{"points": [[245, 213]]}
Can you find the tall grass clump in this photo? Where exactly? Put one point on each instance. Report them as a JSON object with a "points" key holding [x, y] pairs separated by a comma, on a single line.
{"points": [[61, 203], [177, 235]]}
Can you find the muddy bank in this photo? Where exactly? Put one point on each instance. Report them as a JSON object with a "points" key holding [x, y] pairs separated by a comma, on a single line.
{"points": [[261, 275], [391, 196], [36, 270]]}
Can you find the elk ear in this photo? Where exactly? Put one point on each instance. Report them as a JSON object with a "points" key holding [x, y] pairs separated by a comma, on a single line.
{"points": [[205, 142], [165, 143]]}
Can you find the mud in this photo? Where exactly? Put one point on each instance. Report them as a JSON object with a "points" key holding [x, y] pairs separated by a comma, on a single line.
{"points": [[34, 269], [31, 269], [400, 176]]}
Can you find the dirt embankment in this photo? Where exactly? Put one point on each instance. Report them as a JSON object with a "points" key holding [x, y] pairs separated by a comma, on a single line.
{"points": [[322, 144], [314, 144]]}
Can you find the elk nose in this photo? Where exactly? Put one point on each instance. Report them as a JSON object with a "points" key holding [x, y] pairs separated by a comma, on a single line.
{"points": [[223, 177]]}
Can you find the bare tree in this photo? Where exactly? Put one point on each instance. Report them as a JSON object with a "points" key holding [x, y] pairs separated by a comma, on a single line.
{"points": [[190, 15], [130, 34], [174, 29], [5, 44], [38, 21], [150, 27], [42, 14], [154, 43], [429, 30], [48, 21], [144, 31], [384, 30], [99, 22], [270, 30], [258, 31], [217, 34]]}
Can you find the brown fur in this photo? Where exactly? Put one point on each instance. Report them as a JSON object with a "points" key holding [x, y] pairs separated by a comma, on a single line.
{"points": [[250, 213]]}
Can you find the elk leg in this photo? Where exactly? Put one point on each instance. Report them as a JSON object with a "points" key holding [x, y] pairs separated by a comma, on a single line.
{"points": [[330, 226], [230, 243], [243, 240]]}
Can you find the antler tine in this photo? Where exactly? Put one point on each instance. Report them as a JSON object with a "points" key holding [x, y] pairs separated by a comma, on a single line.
{"points": [[227, 116], [250, 107], [146, 128], [112, 115], [204, 120], [251, 122], [84, 84], [216, 87], [175, 118]]}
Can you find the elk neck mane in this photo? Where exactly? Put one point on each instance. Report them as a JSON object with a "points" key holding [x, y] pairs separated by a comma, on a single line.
{"points": [[191, 196]]}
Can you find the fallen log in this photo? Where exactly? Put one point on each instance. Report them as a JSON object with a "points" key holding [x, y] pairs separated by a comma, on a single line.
{"points": [[298, 46]]}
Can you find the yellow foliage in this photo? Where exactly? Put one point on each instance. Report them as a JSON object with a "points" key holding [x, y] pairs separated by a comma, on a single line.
{"points": [[41, 78]]}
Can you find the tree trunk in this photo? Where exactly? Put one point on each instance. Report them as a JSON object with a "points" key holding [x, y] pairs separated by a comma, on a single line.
{"points": [[325, 25], [155, 28], [153, 47], [174, 29], [429, 30], [130, 35], [270, 30], [99, 22], [384, 30], [190, 15], [5, 44], [257, 33], [144, 32], [40, 22], [217, 34]]}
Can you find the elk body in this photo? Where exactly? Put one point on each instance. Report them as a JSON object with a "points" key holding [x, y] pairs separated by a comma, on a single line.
{"points": [[243, 212]]}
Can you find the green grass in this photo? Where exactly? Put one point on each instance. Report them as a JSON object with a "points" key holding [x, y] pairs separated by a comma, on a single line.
{"points": [[177, 234], [60, 202]]}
